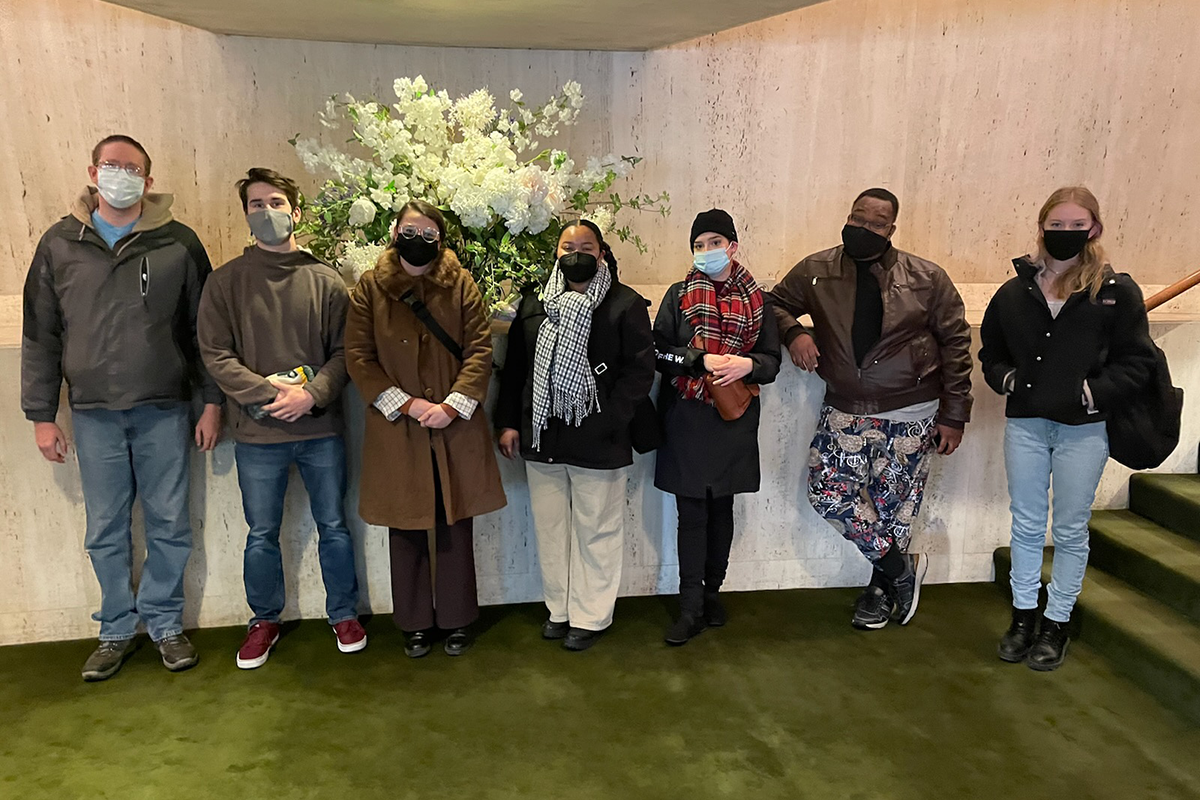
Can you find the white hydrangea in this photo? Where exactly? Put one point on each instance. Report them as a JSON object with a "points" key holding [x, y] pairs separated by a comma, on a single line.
{"points": [[362, 212], [475, 112], [359, 257], [382, 198], [604, 218]]}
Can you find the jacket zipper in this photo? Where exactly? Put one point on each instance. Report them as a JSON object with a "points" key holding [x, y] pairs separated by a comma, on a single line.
{"points": [[131, 241], [144, 280]]}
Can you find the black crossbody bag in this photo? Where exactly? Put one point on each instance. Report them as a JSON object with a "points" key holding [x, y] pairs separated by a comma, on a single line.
{"points": [[439, 333]]}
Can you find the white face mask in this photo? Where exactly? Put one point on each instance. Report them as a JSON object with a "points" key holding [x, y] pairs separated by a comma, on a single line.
{"points": [[711, 262], [120, 189]]}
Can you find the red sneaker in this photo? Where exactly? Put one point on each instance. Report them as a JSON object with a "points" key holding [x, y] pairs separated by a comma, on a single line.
{"points": [[256, 648], [350, 636]]}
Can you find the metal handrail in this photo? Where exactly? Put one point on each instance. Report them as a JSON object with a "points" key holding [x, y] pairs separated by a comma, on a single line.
{"points": [[1174, 290]]}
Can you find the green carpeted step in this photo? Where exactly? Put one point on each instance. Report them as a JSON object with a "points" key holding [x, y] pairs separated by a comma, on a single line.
{"points": [[1153, 645], [1150, 558], [1172, 501]]}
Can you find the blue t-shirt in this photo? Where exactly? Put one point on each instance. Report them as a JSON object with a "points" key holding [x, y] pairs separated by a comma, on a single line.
{"points": [[110, 233]]}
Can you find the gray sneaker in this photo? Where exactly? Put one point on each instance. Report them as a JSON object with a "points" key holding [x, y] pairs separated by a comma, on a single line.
{"points": [[873, 609], [177, 653], [106, 660], [907, 588]]}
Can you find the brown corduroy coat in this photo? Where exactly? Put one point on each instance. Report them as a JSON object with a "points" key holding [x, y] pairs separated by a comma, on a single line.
{"points": [[386, 345]]}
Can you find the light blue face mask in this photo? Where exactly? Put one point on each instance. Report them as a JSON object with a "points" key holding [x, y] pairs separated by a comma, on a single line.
{"points": [[711, 262]]}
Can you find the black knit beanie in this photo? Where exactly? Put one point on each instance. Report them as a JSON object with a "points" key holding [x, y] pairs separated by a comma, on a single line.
{"points": [[713, 221]]}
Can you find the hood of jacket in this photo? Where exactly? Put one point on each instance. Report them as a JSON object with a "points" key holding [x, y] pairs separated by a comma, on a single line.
{"points": [[156, 209]]}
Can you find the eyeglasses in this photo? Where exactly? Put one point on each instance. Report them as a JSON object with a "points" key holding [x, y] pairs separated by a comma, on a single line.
{"points": [[877, 227], [412, 231], [113, 166]]}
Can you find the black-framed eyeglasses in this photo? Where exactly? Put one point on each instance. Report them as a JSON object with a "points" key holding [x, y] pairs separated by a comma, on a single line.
{"points": [[112, 166], [877, 227], [430, 235]]}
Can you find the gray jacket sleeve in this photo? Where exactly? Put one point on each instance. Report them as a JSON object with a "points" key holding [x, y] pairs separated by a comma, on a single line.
{"points": [[197, 276], [41, 341]]}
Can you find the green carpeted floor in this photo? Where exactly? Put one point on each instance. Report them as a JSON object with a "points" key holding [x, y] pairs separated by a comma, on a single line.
{"points": [[786, 702]]}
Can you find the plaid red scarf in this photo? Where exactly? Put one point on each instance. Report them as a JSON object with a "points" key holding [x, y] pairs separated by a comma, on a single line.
{"points": [[726, 322]]}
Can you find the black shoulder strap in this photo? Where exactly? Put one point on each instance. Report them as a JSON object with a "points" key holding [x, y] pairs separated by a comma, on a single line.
{"points": [[439, 333]]}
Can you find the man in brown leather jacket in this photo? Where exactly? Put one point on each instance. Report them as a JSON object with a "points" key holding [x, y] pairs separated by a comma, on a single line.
{"points": [[892, 344]]}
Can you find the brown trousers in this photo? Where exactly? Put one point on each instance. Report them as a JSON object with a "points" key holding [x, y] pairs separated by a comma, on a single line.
{"points": [[415, 606]]}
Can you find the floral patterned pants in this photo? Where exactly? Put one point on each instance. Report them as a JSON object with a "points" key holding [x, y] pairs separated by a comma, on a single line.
{"points": [[867, 477]]}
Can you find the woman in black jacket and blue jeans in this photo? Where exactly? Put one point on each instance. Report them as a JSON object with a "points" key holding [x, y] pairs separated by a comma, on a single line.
{"points": [[716, 322], [580, 358], [1067, 340]]}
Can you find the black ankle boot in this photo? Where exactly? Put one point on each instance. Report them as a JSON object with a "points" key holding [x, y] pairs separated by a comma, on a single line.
{"points": [[714, 610], [1050, 649], [684, 630], [1020, 636]]}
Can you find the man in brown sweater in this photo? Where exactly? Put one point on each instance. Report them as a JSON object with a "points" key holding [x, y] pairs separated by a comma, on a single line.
{"points": [[272, 310]]}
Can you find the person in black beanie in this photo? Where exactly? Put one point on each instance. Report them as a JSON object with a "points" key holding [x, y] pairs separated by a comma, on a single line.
{"points": [[891, 341], [715, 343]]}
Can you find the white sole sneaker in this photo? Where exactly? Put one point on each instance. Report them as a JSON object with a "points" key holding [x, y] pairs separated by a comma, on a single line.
{"points": [[869, 626], [255, 663], [351, 648], [920, 567]]}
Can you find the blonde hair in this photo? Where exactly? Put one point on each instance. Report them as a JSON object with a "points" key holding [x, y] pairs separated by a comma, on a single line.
{"points": [[1088, 273]]}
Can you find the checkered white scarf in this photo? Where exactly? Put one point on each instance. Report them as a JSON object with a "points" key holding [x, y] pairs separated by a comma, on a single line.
{"points": [[563, 383]]}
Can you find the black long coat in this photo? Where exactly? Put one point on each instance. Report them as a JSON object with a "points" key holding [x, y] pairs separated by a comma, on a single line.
{"points": [[702, 452]]}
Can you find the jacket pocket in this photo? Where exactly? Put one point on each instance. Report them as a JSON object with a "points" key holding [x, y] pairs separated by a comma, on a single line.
{"points": [[925, 358]]}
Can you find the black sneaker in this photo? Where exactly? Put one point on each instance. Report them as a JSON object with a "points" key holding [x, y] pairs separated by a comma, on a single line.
{"points": [[684, 629], [1019, 638], [1050, 649], [714, 610], [579, 639], [177, 653], [906, 590], [873, 609], [555, 630], [106, 660]]}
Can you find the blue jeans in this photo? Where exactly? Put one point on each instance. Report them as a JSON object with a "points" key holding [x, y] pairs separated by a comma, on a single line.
{"points": [[1037, 451], [263, 477], [142, 451]]}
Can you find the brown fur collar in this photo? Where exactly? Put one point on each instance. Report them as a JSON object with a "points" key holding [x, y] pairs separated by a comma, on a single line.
{"points": [[396, 281]]}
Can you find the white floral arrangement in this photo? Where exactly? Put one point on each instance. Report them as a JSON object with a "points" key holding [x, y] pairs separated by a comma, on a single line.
{"points": [[504, 199]]}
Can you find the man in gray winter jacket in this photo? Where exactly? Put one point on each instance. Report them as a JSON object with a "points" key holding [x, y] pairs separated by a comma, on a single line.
{"points": [[110, 306]]}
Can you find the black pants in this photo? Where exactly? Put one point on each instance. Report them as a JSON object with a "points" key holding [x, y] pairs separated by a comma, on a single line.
{"points": [[415, 607], [705, 537]]}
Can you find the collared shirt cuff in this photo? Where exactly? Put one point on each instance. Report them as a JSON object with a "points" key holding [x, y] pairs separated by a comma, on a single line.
{"points": [[465, 406], [391, 401]]}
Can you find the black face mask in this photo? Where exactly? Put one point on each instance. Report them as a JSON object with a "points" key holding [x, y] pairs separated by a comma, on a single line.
{"points": [[578, 267], [416, 251], [1065, 245], [863, 244]]}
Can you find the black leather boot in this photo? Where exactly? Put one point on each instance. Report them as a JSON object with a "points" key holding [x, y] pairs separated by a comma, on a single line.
{"points": [[1019, 638], [714, 610], [1050, 649]]}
